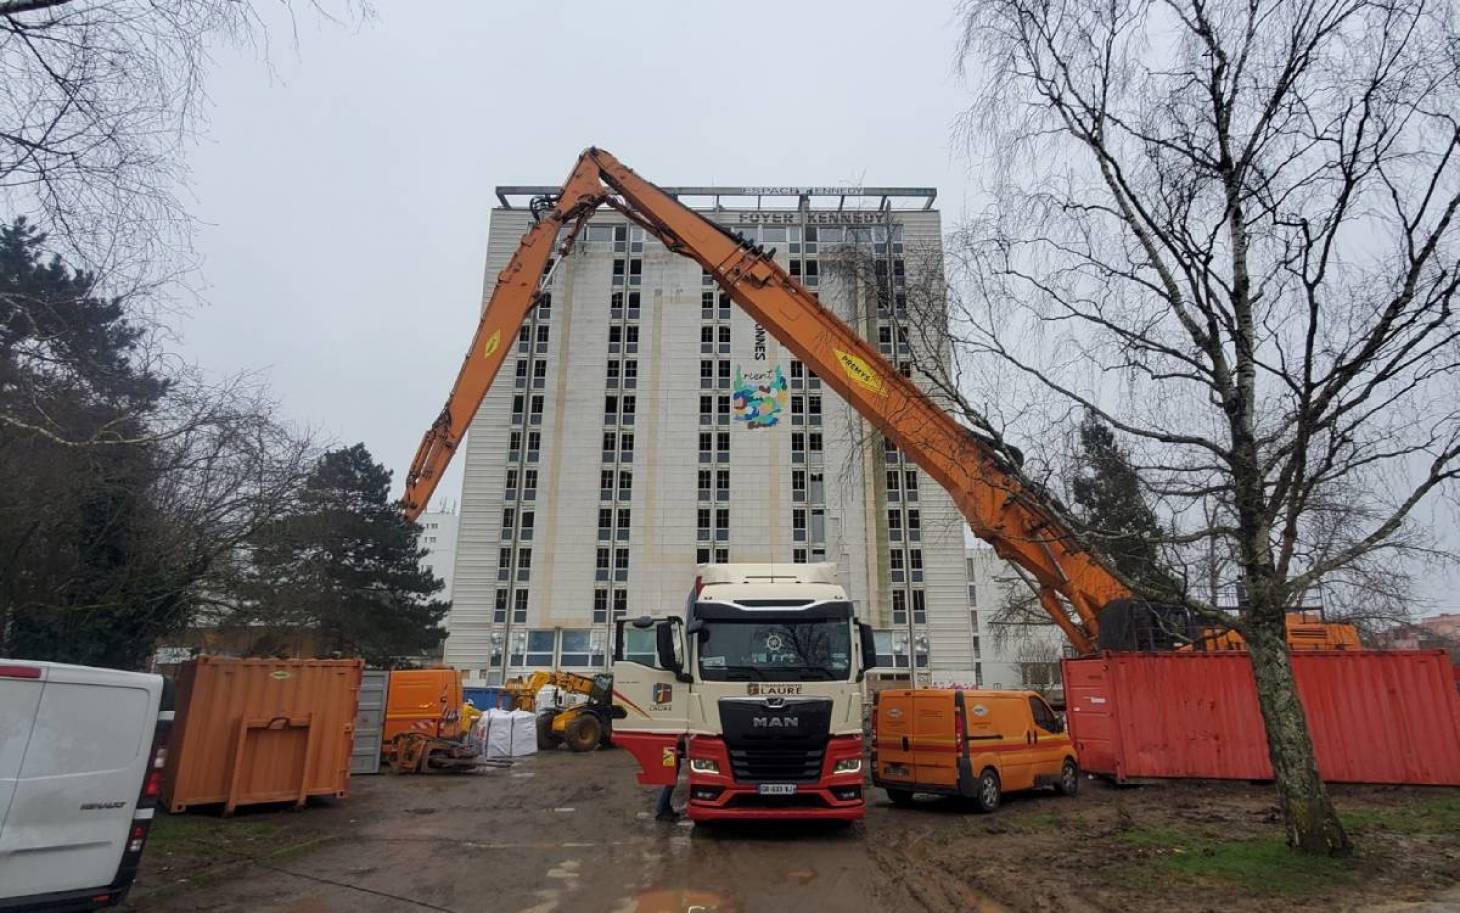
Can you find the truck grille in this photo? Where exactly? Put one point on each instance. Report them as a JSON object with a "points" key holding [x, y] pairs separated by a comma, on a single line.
{"points": [[763, 764], [776, 742]]}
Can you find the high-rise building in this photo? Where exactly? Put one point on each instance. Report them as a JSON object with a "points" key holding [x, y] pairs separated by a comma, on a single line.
{"points": [[438, 536], [643, 424]]}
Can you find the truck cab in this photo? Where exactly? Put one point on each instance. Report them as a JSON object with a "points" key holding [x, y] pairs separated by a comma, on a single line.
{"points": [[756, 687]]}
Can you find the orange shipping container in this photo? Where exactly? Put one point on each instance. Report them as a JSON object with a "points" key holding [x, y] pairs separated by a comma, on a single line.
{"points": [[261, 730]]}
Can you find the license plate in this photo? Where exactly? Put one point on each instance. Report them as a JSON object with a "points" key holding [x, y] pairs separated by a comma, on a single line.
{"points": [[896, 770], [776, 789]]}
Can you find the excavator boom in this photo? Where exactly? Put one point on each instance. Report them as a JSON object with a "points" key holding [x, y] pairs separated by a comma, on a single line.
{"points": [[1018, 524]]}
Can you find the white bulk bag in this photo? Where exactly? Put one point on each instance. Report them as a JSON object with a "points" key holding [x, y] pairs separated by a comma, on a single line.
{"points": [[508, 733]]}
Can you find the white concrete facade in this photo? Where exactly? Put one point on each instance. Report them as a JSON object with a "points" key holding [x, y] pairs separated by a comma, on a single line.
{"points": [[438, 536], [1007, 654], [737, 453]]}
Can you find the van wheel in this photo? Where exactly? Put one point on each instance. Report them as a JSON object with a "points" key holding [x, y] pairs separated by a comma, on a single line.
{"points": [[1069, 781], [987, 794], [900, 797], [584, 733]]}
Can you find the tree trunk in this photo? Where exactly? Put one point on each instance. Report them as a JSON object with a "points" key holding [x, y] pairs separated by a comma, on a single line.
{"points": [[1309, 818]]}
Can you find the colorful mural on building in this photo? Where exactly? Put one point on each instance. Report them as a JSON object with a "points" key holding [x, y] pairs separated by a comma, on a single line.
{"points": [[759, 397]]}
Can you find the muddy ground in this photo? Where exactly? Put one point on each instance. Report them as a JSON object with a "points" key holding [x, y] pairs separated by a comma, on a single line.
{"points": [[564, 832]]}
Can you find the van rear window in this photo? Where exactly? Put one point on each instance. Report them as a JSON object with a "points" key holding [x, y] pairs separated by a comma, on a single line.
{"points": [[85, 729]]}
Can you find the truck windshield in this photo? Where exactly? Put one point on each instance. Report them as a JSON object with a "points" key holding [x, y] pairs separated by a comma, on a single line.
{"points": [[809, 651]]}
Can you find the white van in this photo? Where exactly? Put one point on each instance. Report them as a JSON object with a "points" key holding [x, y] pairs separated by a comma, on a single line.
{"points": [[81, 758]]}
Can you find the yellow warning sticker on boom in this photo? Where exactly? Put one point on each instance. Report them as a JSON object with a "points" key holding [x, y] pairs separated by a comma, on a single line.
{"points": [[493, 341], [861, 373]]}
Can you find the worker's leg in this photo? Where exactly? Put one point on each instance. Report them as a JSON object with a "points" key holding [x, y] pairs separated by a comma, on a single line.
{"points": [[664, 808]]}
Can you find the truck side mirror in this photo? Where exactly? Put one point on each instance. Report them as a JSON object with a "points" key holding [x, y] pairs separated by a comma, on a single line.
{"points": [[664, 647], [868, 643]]}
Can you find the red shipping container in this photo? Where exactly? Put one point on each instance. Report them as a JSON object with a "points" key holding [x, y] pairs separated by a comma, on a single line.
{"points": [[1375, 716]]}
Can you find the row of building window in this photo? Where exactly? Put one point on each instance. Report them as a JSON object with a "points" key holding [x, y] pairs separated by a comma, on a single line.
{"points": [[714, 523]]}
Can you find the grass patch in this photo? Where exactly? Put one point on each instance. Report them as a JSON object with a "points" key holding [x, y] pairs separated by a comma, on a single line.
{"points": [[1261, 864], [1440, 815]]}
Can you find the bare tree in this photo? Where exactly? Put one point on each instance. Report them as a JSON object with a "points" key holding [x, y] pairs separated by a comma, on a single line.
{"points": [[98, 102], [1227, 228]]}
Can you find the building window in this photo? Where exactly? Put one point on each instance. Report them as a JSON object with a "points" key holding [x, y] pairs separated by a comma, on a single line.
{"points": [[707, 340], [798, 556], [722, 446], [910, 482], [519, 607], [813, 442], [620, 604], [899, 606], [722, 484], [601, 566], [915, 563], [722, 524], [605, 523], [600, 607], [529, 485], [702, 524], [524, 564], [623, 523], [707, 409], [798, 484], [540, 647], [509, 520], [605, 485], [575, 649], [798, 524], [504, 563], [499, 610], [524, 529], [626, 447], [625, 484], [620, 564], [704, 484], [897, 564], [610, 444], [920, 607]]}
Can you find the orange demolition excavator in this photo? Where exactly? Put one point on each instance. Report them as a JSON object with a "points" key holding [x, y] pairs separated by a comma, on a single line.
{"points": [[1074, 585]]}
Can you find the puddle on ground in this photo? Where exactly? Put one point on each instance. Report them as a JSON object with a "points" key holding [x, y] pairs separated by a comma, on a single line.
{"points": [[676, 901]]}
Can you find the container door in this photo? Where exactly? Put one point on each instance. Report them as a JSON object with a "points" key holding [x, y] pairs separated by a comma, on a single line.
{"points": [[935, 741], [893, 727], [80, 779]]}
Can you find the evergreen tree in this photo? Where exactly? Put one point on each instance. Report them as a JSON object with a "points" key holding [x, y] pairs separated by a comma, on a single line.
{"points": [[1110, 503], [348, 565], [79, 578]]}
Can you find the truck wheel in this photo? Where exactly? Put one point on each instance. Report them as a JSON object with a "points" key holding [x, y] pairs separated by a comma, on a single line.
{"points": [[1069, 782], [546, 738], [584, 733], [900, 797], [988, 792]]}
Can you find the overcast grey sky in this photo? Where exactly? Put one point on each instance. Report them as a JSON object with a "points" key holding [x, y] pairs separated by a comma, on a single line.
{"points": [[346, 183], [346, 196]]}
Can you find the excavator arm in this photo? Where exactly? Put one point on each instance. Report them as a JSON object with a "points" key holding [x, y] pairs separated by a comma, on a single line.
{"points": [[997, 506]]}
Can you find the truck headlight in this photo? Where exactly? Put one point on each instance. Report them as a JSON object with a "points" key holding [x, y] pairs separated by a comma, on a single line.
{"points": [[705, 766], [848, 766]]}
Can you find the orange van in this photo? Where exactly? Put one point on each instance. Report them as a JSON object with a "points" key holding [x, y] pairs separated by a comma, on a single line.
{"points": [[428, 701], [977, 744]]}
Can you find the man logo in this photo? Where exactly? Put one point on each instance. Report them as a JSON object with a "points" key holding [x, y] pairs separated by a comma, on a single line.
{"points": [[663, 694]]}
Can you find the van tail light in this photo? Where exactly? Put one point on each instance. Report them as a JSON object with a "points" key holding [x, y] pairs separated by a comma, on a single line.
{"points": [[959, 733], [137, 839], [12, 671], [152, 788]]}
